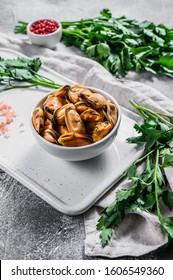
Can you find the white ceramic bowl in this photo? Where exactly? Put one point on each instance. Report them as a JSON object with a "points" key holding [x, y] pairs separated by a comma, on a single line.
{"points": [[46, 40], [83, 152]]}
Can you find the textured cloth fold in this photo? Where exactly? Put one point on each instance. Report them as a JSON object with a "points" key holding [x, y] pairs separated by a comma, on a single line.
{"points": [[139, 233]]}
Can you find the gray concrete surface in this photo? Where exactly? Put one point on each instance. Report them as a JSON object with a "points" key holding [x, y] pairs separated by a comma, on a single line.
{"points": [[29, 227]]}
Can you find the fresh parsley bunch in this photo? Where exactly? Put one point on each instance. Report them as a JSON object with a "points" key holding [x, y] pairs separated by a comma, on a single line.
{"points": [[149, 186], [120, 44], [15, 71]]}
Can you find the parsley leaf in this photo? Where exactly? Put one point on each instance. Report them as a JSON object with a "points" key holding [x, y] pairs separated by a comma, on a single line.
{"points": [[105, 235], [168, 160], [168, 199], [106, 13]]}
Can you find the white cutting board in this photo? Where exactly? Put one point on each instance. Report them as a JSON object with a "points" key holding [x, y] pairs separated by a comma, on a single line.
{"points": [[70, 187]]}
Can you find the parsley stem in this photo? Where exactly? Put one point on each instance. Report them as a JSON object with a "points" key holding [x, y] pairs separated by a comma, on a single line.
{"points": [[23, 22], [5, 74], [166, 115], [44, 83], [24, 86], [142, 110], [142, 158], [157, 115], [42, 77], [156, 183]]}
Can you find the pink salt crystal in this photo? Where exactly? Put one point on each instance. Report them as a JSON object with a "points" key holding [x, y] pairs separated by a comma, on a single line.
{"points": [[3, 127], [7, 135], [6, 117], [9, 120], [21, 124]]}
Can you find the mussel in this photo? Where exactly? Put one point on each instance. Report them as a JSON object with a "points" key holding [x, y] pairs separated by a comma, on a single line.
{"points": [[73, 121], [74, 92], [81, 89], [38, 119], [102, 115], [62, 129], [61, 92], [96, 99], [91, 115], [83, 105], [59, 114], [48, 124], [111, 112], [100, 130], [74, 139], [89, 127], [50, 135], [51, 104]]}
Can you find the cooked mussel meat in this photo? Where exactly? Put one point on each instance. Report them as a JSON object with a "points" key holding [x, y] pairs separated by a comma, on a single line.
{"points": [[62, 129], [50, 135], [73, 121], [59, 114], [91, 115], [48, 124], [38, 119], [81, 89], [74, 139], [96, 99], [83, 105], [51, 104], [111, 112], [61, 92], [75, 91], [100, 130], [102, 115], [89, 127], [71, 97]]}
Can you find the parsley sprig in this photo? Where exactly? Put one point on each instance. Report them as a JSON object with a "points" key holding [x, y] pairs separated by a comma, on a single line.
{"points": [[13, 72], [149, 186]]}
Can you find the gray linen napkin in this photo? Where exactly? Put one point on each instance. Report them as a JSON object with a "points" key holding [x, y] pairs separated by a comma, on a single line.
{"points": [[139, 233]]}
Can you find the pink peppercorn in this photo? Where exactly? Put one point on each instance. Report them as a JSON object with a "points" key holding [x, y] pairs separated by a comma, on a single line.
{"points": [[44, 26]]}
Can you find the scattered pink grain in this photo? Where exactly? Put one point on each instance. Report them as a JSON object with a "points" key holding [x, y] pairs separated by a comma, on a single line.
{"points": [[7, 135], [3, 128], [7, 115], [21, 124]]}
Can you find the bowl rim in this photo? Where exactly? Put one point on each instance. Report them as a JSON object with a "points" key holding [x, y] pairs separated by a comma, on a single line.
{"points": [[43, 35], [87, 147]]}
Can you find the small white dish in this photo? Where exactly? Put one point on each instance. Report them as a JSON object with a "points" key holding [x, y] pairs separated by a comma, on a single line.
{"points": [[49, 40], [82, 152]]}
